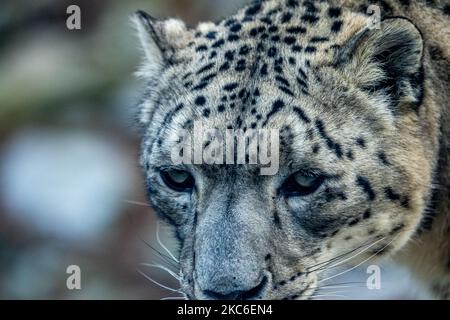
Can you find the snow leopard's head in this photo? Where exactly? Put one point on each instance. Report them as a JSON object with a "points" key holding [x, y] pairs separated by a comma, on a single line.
{"points": [[353, 172]]}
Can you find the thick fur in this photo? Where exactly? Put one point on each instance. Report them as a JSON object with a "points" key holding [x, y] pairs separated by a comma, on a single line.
{"points": [[366, 107]]}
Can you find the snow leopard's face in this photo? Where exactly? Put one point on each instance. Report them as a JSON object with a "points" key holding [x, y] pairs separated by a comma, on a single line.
{"points": [[351, 166]]}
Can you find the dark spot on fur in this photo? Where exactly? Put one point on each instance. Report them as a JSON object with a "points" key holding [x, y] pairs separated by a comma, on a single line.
{"points": [[211, 35], [276, 107], [310, 7], [336, 27], [276, 219], [316, 148], [275, 38], [240, 66], [310, 18], [364, 184], [319, 39], [205, 68], [282, 80], [286, 90], [350, 155], [405, 202], [225, 66], [230, 86], [208, 78], [361, 142], [330, 143], [254, 9], [200, 101], [292, 3], [201, 48], [302, 73], [302, 83], [272, 52], [298, 29], [229, 55], [334, 12], [218, 43], [289, 40], [244, 50], [301, 114], [233, 37], [394, 196], [286, 17], [396, 228], [390, 194], [383, 159]]}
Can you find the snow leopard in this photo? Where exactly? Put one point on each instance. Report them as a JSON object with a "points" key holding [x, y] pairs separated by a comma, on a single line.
{"points": [[359, 93]]}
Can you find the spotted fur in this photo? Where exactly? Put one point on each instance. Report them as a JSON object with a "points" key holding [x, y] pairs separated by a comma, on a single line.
{"points": [[367, 107]]}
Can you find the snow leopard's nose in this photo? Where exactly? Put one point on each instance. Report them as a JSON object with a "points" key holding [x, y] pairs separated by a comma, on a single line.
{"points": [[242, 293], [229, 262], [231, 245]]}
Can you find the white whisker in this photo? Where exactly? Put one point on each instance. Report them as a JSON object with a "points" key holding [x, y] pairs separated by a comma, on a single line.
{"points": [[364, 261], [159, 266], [174, 298], [324, 264], [351, 284], [143, 204], [182, 297], [162, 245], [351, 257], [338, 287], [159, 284], [334, 292]]}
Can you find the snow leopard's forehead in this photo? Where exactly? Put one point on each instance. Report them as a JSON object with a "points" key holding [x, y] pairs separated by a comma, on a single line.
{"points": [[231, 72], [263, 39]]}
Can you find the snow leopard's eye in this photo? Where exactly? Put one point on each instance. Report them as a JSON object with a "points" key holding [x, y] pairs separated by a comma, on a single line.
{"points": [[301, 184], [178, 180]]}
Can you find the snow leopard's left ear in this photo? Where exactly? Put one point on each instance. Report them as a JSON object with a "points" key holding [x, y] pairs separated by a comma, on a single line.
{"points": [[386, 61], [160, 39]]}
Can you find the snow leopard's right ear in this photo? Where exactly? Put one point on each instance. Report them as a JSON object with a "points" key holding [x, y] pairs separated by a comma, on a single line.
{"points": [[160, 39]]}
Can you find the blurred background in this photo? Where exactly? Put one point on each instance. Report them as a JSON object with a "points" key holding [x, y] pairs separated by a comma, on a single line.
{"points": [[71, 191]]}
